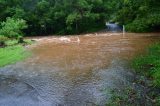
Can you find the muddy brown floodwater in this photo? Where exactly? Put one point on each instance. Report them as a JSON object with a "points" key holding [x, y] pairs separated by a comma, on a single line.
{"points": [[73, 70]]}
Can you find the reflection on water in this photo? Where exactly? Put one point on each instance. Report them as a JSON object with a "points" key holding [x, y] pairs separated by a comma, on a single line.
{"points": [[73, 70]]}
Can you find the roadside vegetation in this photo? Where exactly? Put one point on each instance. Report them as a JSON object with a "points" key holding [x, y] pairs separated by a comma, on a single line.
{"points": [[12, 42], [147, 68], [12, 51], [148, 65]]}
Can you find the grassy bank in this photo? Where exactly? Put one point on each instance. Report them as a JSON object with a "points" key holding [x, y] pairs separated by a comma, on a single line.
{"points": [[13, 52], [149, 65]]}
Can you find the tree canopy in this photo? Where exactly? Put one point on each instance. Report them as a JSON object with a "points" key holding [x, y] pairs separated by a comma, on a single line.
{"points": [[77, 16]]}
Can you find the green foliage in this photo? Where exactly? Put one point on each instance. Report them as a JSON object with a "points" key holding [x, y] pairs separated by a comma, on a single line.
{"points": [[12, 28], [149, 64], [62, 17], [76, 16], [139, 15], [148, 23], [13, 42], [12, 54], [139, 25]]}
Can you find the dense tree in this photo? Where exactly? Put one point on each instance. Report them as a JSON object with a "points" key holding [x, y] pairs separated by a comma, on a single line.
{"points": [[77, 16], [12, 28], [139, 15]]}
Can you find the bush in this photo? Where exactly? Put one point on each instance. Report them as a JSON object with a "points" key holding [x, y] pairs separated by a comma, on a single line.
{"points": [[146, 24], [139, 25], [12, 28]]}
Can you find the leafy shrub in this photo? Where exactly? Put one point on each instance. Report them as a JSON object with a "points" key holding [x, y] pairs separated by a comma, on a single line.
{"points": [[12, 28], [146, 24], [138, 25]]}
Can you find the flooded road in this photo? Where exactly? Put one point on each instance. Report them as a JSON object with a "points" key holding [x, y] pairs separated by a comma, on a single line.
{"points": [[73, 70]]}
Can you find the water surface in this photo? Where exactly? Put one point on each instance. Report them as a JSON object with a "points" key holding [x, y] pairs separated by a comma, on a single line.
{"points": [[72, 71]]}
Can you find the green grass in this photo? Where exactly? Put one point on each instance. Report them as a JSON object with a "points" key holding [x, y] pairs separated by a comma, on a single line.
{"points": [[15, 42], [149, 64], [11, 42], [12, 54]]}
